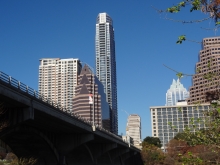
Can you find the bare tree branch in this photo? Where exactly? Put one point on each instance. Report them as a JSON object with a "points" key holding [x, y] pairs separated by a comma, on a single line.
{"points": [[177, 71], [193, 21]]}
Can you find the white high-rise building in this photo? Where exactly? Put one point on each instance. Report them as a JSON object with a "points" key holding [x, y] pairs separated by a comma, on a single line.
{"points": [[175, 93], [134, 128], [58, 79], [179, 116], [106, 64]]}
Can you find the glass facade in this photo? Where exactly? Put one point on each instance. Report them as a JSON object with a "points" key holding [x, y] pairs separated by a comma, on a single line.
{"points": [[106, 64], [179, 117], [175, 93]]}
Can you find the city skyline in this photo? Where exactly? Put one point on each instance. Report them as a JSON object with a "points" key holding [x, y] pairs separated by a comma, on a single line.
{"points": [[106, 64], [31, 30]]}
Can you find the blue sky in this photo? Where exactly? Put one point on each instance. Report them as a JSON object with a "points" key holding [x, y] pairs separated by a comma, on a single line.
{"points": [[145, 40]]}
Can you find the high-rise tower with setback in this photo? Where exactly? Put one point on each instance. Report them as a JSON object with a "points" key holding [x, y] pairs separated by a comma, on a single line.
{"points": [[209, 64], [106, 64]]}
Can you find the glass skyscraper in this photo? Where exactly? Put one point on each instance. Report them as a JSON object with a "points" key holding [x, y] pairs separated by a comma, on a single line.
{"points": [[175, 93], [106, 64]]}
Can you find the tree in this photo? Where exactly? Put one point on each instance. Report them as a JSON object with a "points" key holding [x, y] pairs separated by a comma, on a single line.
{"points": [[11, 157], [14, 160], [151, 154], [208, 7], [194, 145], [180, 136], [153, 140]]}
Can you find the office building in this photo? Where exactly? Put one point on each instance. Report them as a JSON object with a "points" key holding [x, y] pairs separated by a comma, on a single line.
{"points": [[175, 93], [128, 139], [83, 101], [58, 79], [209, 62], [179, 116], [134, 128], [106, 64]]}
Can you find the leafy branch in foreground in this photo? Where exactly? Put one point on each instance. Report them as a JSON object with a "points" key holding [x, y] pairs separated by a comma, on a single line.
{"points": [[206, 6], [181, 39], [211, 7], [178, 74]]}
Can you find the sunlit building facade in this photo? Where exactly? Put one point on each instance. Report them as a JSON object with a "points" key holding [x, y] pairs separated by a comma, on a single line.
{"points": [[175, 93], [179, 117], [133, 128], [58, 79], [209, 62], [106, 64]]}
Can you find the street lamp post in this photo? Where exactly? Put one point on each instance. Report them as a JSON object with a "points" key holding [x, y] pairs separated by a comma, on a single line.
{"points": [[93, 93], [93, 107]]}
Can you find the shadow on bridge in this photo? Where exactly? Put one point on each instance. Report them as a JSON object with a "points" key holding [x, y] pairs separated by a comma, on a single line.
{"points": [[40, 130]]}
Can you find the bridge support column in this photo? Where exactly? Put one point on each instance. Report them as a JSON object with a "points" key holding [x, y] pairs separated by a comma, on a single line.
{"points": [[62, 159]]}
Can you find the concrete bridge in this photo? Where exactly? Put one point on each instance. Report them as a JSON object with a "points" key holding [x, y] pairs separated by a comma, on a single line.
{"points": [[40, 128]]}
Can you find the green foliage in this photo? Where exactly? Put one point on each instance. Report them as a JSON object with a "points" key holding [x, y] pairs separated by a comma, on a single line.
{"points": [[196, 5], [179, 109], [210, 7], [153, 141], [196, 145], [176, 9], [151, 154], [181, 39], [190, 158], [217, 23], [180, 136]]}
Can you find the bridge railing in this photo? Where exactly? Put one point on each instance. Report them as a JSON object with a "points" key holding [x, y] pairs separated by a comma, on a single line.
{"points": [[30, 91]]}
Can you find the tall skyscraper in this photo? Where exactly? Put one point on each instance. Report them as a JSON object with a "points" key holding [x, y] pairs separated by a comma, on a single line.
{"points": [[106, 64], [179, 116], [83, 100], [58, 79], [175, 93], [209, 62], [134, 128]]}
